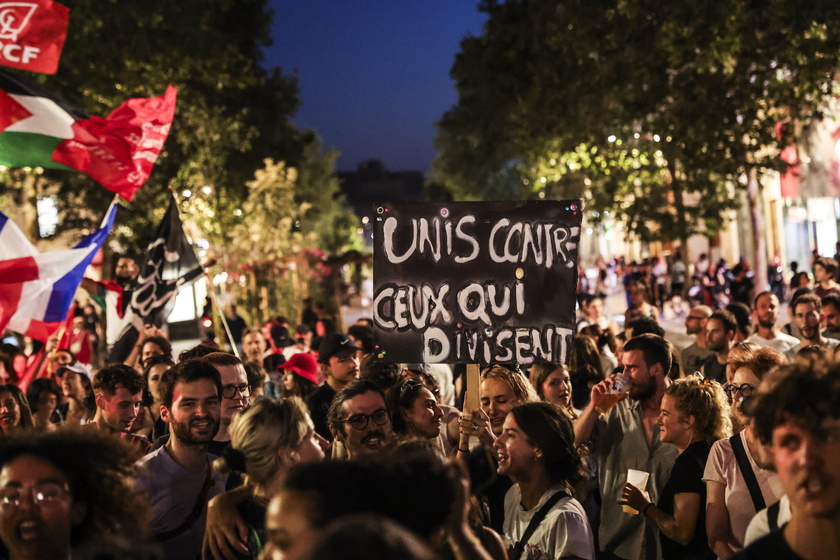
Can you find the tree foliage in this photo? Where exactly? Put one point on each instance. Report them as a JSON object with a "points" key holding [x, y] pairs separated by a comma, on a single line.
{"points": [[654, 110], [231, 116]]}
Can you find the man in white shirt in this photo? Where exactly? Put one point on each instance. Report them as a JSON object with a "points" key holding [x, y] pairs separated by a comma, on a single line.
{"points": [[767, 334]]}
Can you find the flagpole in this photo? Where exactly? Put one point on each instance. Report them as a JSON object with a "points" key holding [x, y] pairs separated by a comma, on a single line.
{"points": [[221, 312]]}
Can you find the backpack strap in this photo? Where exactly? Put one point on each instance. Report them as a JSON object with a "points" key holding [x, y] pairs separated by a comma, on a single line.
{"points": [[747, 472], [519, 547]]}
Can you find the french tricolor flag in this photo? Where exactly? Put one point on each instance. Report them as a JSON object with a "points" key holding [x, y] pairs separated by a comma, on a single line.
{"points": [[37, 289]]}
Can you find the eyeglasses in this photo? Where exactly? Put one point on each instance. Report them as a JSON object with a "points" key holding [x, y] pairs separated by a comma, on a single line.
{"points": [[44, 493], [360, 421], [229, 391], [745, 389]]}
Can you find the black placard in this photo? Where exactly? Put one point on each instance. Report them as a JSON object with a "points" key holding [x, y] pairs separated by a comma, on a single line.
{"points": [[475, 282]]}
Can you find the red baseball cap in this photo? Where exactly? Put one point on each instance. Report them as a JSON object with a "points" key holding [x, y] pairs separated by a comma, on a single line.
{"points": [[302, 364]]}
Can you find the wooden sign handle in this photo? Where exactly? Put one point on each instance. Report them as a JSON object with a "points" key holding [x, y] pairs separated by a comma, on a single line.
{"points": [[472, 400]]}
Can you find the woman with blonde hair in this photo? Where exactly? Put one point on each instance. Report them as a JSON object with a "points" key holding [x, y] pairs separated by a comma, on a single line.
{"points": [[694, 414], [500, 389], [738, 475], [267, 439]]}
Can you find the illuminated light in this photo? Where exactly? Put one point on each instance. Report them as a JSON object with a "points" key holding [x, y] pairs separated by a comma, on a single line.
{"points": [[380, 210], [637, 136], [611, 138], [520, 273], [365, 220], [206, 322], [589, 231], [237, 212], [542, 180], [444, 212], [542, 194], [552, 161], [656, 138], [187, 193], [360, 231], [206, 189]]}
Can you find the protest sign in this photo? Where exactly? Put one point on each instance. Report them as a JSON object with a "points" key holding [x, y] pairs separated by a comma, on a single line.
{"points": [[476, 282]]}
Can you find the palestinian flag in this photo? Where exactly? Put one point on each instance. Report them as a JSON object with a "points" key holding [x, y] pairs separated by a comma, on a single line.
{"points": [[40, 129]]}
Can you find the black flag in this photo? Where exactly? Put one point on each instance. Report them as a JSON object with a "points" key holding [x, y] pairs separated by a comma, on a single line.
{"points": [[170, 263]]}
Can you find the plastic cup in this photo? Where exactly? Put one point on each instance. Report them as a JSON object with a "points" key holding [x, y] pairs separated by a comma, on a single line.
{"points": [[618, 391], [639, 479]]}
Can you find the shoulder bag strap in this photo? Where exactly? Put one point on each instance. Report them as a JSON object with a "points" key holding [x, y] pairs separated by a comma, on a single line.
{"points": [[773, 516], [519, 547], [747, 472], [196, 511]]}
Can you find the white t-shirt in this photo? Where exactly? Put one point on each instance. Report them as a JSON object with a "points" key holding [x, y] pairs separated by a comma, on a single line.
{"points": [[565, 531], [784, 343], [723, 467], [760, 525]]}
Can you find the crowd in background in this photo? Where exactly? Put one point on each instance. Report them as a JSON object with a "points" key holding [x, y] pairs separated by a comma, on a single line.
{"points": [[308, 445]]}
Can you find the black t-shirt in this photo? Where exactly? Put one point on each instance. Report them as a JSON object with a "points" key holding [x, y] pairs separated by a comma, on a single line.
{"points": [[772, 546], [687, 477], [712, 369], [319, 406]]}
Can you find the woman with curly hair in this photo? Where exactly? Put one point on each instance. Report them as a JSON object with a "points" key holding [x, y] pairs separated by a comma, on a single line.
{"points": [[15, 414], [537, 451], [267, 439], [694, 414], [66, 491]]}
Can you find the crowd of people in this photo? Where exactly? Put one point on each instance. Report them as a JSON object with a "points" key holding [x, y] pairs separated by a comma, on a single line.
{"points": [[309, 446]]}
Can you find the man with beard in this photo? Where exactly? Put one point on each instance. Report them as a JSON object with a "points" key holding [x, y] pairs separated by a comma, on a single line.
{"points": [[831, 312], [766, 312], [693, 356], [720, 332], [807, 312], [359, 418], [627, 437], [116, 297], [235, 393], [177, 477]]}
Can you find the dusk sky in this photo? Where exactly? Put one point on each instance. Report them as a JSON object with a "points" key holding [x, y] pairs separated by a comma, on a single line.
{"points": [[373, 74]]}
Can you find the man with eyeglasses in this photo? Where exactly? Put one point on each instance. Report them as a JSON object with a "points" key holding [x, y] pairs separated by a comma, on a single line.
{"points": [[693, 356], [339, 363], [236, 395], [807, 312], [359, 418]]}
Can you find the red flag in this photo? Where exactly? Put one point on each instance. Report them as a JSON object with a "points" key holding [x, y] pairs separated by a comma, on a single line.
{"points": [[32, 34], [120, 150]]}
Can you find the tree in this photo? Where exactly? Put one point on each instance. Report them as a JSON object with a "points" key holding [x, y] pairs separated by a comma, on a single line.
{"points": [[657, 111]]}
